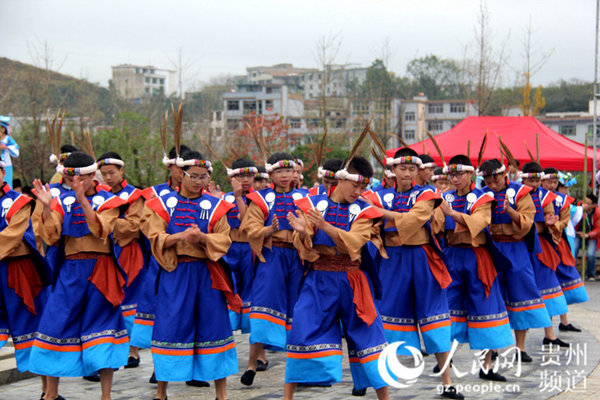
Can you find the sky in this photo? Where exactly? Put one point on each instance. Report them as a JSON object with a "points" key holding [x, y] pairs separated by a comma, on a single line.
{"points": [[223, 37]]}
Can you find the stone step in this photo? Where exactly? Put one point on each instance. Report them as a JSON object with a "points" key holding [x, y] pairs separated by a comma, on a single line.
{"points": [[9, 372]]}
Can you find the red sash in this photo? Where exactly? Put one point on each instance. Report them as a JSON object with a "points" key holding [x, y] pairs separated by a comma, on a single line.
{"points": [[362, 299], [565, 253], [24, 279], [131, 260], [220, 282], [108, 280], [486, 272], [437, 266], [548, 256]]}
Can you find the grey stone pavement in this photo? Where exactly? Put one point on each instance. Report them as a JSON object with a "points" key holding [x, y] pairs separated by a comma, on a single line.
{"points": [[568, 374]]}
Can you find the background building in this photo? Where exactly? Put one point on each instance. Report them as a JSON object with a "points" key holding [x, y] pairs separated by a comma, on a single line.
{"points": [[135, 82]]}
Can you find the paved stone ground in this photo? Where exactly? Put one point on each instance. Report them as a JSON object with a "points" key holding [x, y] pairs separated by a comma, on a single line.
{"points": [[572, 379]]}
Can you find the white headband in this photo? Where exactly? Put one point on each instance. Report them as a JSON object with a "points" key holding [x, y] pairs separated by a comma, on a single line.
{"points": [[344, 174], [243, 170], [389, 174], [428, 165], [72, 171], [457, 168], [180, 162], [553, 175], [110, 161], [60, 158], [498, 171], [168, 161], [534, 175], [325, 173], [299, 161], [280, 164], [262, 175], [404, 160]]}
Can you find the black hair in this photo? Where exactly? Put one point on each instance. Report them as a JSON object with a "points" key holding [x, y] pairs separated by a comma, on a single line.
{"points": [[333, 164], [261, 169], [68, 148], [78, 159], [275, 157], [426, 158], [16, 183], [405, 151], [593, 198], [361, 166], [191, 155], [438, 171], [182, 149], [110, 154], [460, 159], [490, 166], [532, 167], [242, 163], [550, 170]]}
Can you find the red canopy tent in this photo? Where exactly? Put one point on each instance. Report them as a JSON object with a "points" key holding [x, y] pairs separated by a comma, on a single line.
{"points": [[555, 149]]}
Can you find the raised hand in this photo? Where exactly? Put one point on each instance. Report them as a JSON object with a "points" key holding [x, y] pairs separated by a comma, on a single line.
{"points": [[77, 187], [274, 225], [316, 218], [297, 223], [551, 219], [42, 192], [236, 186]]}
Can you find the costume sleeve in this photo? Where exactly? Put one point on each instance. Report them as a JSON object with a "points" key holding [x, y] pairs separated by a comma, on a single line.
{"points": [[12, 235], [104, 223], [305, 247], [352, 241], [477, 221], [127, 229], [36, 224], [52, 228], [218, 241], [253, 225], [438, 221], [155, 228], [526, 210], [414, 219], [376, 238], [13, 148]]}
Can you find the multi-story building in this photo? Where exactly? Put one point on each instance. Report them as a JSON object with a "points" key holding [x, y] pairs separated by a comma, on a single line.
{"points": [[435, 116], [335, 79], [135, 82]]}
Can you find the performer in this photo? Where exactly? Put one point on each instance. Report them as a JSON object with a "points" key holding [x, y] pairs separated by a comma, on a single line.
{"points": [[591, 215], [297, 177], [81, 330], [336, 296], [326, 174], [410, 246], [23, 275], [239, 257], [566, 272], [126, 235], [440, 181], [189, 233], [261, 180], [279, 269], [8, 148], [477, 308], [512, 221], [141, 331], [546, 261], [425, 172]]}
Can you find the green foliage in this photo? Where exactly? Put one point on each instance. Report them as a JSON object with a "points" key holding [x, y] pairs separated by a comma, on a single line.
{"points": [[437, 78]]}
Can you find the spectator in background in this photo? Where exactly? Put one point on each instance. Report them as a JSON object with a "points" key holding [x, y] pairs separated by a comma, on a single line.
{"points": [[591, 216], [17, 186], [9, 148]]}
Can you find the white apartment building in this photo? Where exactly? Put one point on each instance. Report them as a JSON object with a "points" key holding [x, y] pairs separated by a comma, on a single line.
{"points": [[338, 78], [135, 82]]}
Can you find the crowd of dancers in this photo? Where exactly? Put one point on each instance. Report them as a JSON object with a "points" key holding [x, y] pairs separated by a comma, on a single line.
{"points": [[93, 269]]}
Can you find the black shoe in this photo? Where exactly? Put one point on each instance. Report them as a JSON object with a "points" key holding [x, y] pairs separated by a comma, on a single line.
{"points": [[525, 357], [425, 354], [451, 393], [93, 377], [491, 376], [196, 383], [361, 392], [555, 342], [568, 328], [58, 398], [133, 362], [248, 377], [156, 398], [153, 378], [261, 366], [436, 369]]}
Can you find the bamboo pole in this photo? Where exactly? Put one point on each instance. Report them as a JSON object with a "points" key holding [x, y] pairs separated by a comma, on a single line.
{"points": [[584, 218]]}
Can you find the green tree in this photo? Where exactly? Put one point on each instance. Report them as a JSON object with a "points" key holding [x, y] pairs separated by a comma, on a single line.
{"points": [[437, 78]]}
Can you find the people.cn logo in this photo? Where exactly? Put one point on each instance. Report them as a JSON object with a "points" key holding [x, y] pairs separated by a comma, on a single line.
{"points": [[403, 376]]}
